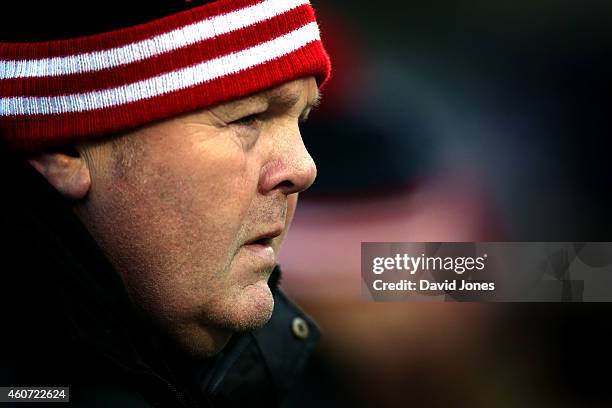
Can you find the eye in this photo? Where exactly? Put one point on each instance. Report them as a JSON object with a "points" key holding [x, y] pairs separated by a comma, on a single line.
{"points": [[304, 116], [247, 121]]}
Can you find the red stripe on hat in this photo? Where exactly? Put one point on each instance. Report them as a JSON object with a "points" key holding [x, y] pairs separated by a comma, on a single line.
{"points": [[121, 37], [28, 133], [171, 61]]}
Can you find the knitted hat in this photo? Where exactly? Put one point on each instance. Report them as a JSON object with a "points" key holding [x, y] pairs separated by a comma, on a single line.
{"points": [[66, 90]]}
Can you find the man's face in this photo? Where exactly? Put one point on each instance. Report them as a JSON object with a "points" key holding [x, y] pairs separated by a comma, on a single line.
{"points": [[192, 211]]}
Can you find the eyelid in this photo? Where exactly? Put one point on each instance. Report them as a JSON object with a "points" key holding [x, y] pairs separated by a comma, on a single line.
{"points": [[254, 116], [308, 110], [304, 116]]}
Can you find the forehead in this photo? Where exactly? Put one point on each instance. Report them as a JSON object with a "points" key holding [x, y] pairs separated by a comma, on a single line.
{"points": [[288, 93], [299, 87]]}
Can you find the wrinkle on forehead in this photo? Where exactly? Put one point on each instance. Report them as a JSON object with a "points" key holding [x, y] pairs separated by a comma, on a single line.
{"points": [[287, 94]]}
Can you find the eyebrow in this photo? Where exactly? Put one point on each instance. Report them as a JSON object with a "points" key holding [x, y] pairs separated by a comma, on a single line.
{"points": [[287, 98], [277, 96]]}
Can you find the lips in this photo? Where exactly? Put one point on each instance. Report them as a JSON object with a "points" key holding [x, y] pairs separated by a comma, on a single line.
{"points": [[265, 238], [261, 245]]}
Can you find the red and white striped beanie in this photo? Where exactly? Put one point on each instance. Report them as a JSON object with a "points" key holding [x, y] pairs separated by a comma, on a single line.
{"points": [[68, 90]]}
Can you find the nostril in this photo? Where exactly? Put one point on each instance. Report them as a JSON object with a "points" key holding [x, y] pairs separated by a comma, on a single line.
{"points": [[286, 184], [287, 176]]}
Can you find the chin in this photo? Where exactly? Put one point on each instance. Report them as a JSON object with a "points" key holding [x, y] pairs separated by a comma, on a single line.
{"points": [[251, 309], [201, 342], [248, 308]]}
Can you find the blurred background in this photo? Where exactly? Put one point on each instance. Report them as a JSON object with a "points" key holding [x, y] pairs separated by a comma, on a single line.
{"points": [[455, 121]]}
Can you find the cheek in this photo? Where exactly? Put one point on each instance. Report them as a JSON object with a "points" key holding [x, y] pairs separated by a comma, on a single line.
{"points": [[222, 184], [206, 180], [177, 217], [206, 196]]}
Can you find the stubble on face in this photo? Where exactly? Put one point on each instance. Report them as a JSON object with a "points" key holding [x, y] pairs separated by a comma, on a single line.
{"points": [[174, 251], [172, 205]]}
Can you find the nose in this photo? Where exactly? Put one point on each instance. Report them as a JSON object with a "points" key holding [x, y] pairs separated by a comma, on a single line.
{"points": [[290, 168]]}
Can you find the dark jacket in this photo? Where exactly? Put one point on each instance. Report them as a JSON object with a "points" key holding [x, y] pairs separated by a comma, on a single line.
{"points": [[67, 321]]}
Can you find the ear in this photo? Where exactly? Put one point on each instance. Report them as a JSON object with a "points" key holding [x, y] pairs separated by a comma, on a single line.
{"points": [[69, 174]]}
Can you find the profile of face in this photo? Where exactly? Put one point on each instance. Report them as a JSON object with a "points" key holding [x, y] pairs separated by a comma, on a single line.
{"points": [[192, 211]]}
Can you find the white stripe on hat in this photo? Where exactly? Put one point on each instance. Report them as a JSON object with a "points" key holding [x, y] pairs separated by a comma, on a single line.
{"points": [[165, 83], [138, 51]]}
